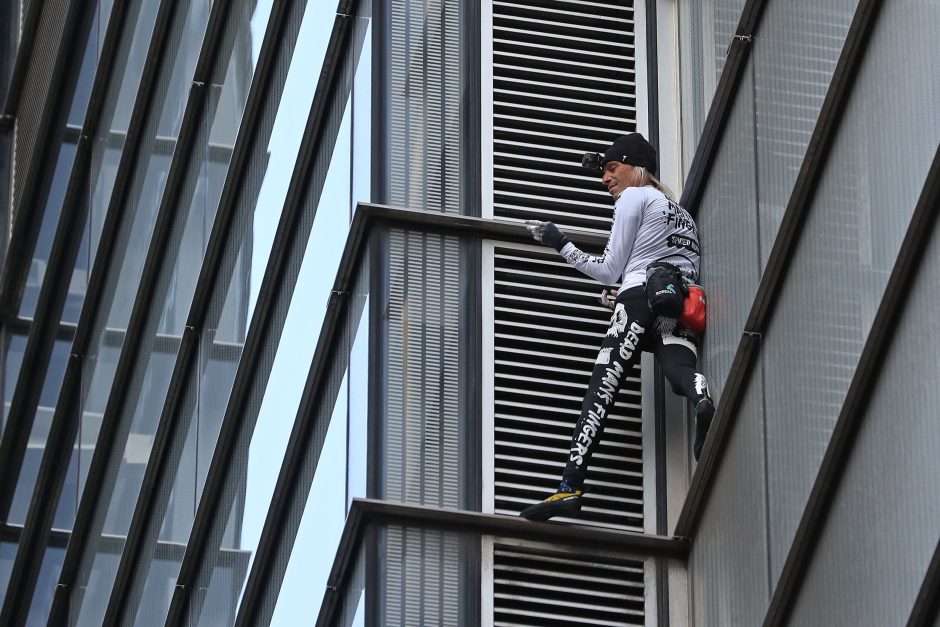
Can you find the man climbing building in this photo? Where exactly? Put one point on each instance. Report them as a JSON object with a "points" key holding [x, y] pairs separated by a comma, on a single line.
{"points": [[653, 249]]}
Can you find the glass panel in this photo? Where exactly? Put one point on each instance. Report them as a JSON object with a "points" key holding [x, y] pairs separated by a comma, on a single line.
{"points": [[184, 253], [357, 445], [292, 362], [86, 75], [36, 444], [41, 602], [221, 343], [115, 117], [144, 200], [705, 30], [320, 528], [799, 46], [13, 346], [889, 495], [849, 244], [361, 102], [50, 219], [425, 86], [7, 555], [423, 416]]}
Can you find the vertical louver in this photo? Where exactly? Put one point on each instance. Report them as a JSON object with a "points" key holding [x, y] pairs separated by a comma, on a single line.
{"points": [[545, 589], [547, 327], [563, 84]]}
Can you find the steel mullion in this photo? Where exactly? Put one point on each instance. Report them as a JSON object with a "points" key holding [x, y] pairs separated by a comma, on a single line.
{"points": [[775, 273], [176, 414], [154, 282], [37, 174], [62, 256], [853, 413], [739, 51]]}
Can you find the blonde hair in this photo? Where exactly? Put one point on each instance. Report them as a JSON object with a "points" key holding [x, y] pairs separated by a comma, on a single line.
{"points": [[645, 177]]}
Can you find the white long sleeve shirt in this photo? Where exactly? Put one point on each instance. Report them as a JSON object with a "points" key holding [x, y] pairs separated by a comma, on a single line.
{"points": [[647, 227]]}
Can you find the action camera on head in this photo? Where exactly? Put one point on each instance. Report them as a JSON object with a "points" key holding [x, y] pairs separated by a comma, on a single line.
{"points": [[592, 161]]}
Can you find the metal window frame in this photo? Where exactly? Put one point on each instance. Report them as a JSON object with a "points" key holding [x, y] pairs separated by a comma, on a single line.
{"points": [[165, 453], [852, 416], [37, 175], [367, 514], [278, 535], [778, 265], [42, 330]]}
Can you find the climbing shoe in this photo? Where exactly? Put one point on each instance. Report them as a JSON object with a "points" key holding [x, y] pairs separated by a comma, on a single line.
{"points": [[704, 411], [558, 504]]}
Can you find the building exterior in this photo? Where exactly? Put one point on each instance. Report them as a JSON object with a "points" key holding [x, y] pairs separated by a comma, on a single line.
{"points": [[277, 349]]}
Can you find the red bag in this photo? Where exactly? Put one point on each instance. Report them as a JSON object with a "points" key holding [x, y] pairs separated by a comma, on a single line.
{"points": [[693, 309]]}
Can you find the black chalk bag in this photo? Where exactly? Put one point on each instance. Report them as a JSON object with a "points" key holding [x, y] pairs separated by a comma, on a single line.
{"points": [[665, 289]]}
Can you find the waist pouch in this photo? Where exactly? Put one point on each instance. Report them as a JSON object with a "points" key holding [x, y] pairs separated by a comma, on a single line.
{"points": [[665, 289], [693, 309]]}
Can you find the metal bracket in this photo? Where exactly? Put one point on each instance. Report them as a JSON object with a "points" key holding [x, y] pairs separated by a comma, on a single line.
{"points": [[745, 38]]}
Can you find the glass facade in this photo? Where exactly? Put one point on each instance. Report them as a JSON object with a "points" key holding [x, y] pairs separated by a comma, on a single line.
{"points": [[236, 391]]}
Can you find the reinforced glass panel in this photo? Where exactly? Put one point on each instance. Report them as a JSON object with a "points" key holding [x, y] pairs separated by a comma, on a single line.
{"points": [[877, 542], [845, 255]]}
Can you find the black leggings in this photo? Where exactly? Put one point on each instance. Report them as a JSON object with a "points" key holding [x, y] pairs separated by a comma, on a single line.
{"points": [[631, 331]]}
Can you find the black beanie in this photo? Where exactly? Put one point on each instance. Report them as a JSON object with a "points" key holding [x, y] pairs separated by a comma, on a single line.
{"points": [[633, 149]]}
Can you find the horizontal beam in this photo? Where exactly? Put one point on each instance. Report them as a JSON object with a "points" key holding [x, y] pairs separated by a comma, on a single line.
{"points": [[291, 489], [368, 513]]}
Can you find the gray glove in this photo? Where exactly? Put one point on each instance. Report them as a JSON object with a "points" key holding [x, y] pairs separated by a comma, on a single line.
{"points": [[547, 233]]}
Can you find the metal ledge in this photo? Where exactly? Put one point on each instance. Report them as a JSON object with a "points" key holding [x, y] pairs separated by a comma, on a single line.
{"points": [[368, 513], [368, 216]]}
